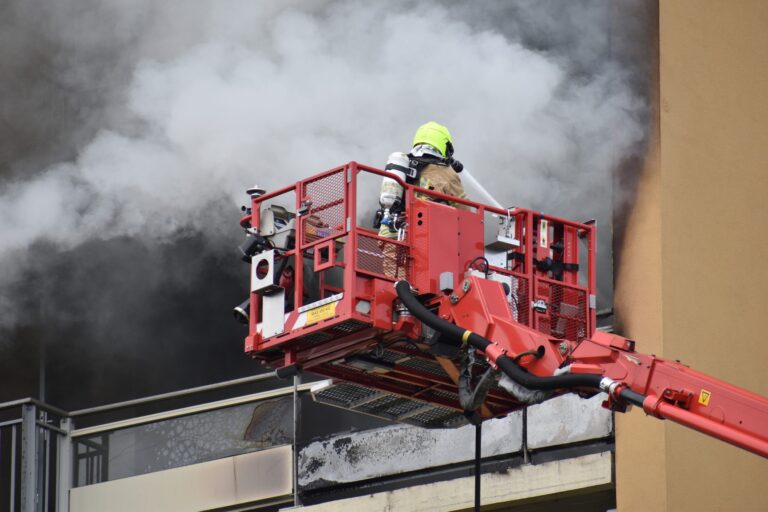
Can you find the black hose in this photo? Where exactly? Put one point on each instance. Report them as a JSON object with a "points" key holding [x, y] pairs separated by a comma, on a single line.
{"points": [[485, 260], [478, 461], [538, 354], [403, 289], [566, 381], [632, 397], [507, 365]]}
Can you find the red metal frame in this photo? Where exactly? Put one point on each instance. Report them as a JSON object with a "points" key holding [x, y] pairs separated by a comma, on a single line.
{"points": [[439, 238], [322, 346]]}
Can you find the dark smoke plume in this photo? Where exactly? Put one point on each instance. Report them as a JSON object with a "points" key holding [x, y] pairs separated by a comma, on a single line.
{"points": [[130, 130]]}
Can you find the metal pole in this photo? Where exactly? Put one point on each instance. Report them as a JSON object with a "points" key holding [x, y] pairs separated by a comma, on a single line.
{"points": [[478, 460], [64, 469], [41, 381], [296, 500], [104, 460], [46, 438], [173, 394], [526, 455], [29, 459], [13, 468]]}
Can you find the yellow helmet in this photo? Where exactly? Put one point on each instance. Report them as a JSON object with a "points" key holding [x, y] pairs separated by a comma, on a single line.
{"points": [[436, 135]]}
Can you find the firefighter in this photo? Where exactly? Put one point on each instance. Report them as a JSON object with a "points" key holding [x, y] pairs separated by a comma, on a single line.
{"points": [[431, 165]]}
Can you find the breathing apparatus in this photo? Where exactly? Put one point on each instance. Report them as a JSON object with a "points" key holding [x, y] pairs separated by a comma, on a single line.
{"points": [[391, 195], [432, 145]]}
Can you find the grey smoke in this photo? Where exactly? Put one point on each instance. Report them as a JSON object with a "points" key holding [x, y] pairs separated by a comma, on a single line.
{"points": [[186, 104]]}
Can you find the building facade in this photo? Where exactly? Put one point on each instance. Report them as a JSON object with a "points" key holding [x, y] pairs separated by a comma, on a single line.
{"points": [[684, 288]]}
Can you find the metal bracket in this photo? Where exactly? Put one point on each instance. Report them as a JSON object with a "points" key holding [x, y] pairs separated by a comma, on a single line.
{"points": [[263, 273], [540, 306], [29, 459], [64, 458], [678, 397]]}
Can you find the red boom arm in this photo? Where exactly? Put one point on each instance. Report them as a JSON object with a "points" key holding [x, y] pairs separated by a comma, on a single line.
{"points": [[665, 389], [530, 309]]}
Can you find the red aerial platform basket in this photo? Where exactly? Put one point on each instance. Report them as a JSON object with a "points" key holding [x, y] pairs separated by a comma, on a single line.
{"points": [[340, 316], [471, 312]]}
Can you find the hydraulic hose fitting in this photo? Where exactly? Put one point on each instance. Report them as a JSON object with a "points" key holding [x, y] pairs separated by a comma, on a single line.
{"points": [[609, 385], [492, 353], [620, 392]]}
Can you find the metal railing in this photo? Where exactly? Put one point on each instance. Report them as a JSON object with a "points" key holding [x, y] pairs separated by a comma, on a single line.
{"points": [[43, 454], [30, 443]]}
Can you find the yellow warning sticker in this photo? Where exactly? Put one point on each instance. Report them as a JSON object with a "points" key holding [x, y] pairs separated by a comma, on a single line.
{"points": [[321, 312], [704, 396], [543, 233]]}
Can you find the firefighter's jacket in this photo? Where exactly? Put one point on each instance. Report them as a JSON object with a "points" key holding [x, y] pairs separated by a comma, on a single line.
{"points": [[440, 178]]}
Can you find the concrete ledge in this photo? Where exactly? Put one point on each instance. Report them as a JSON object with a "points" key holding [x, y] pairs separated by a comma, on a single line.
{"points": [[400, 448], [522, 483]]}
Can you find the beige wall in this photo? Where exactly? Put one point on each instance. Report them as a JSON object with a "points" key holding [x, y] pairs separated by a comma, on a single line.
{"points": [[693, 280], [640, 460]]}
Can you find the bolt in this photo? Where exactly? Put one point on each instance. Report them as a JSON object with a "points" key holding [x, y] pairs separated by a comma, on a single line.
{"points": [[466, 285], [563, 347], [453, 298]]}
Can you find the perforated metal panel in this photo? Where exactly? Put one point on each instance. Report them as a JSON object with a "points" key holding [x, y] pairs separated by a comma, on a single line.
{"points": [[379, 405], [424, 365], [390, 356], [438, 417], [348, 327], [344, 395], [567, 311], [446, 395], [326, 215], [377, 256], [388, 406], [333, 332], [520, 300], [316, 337], [400, 407]]}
